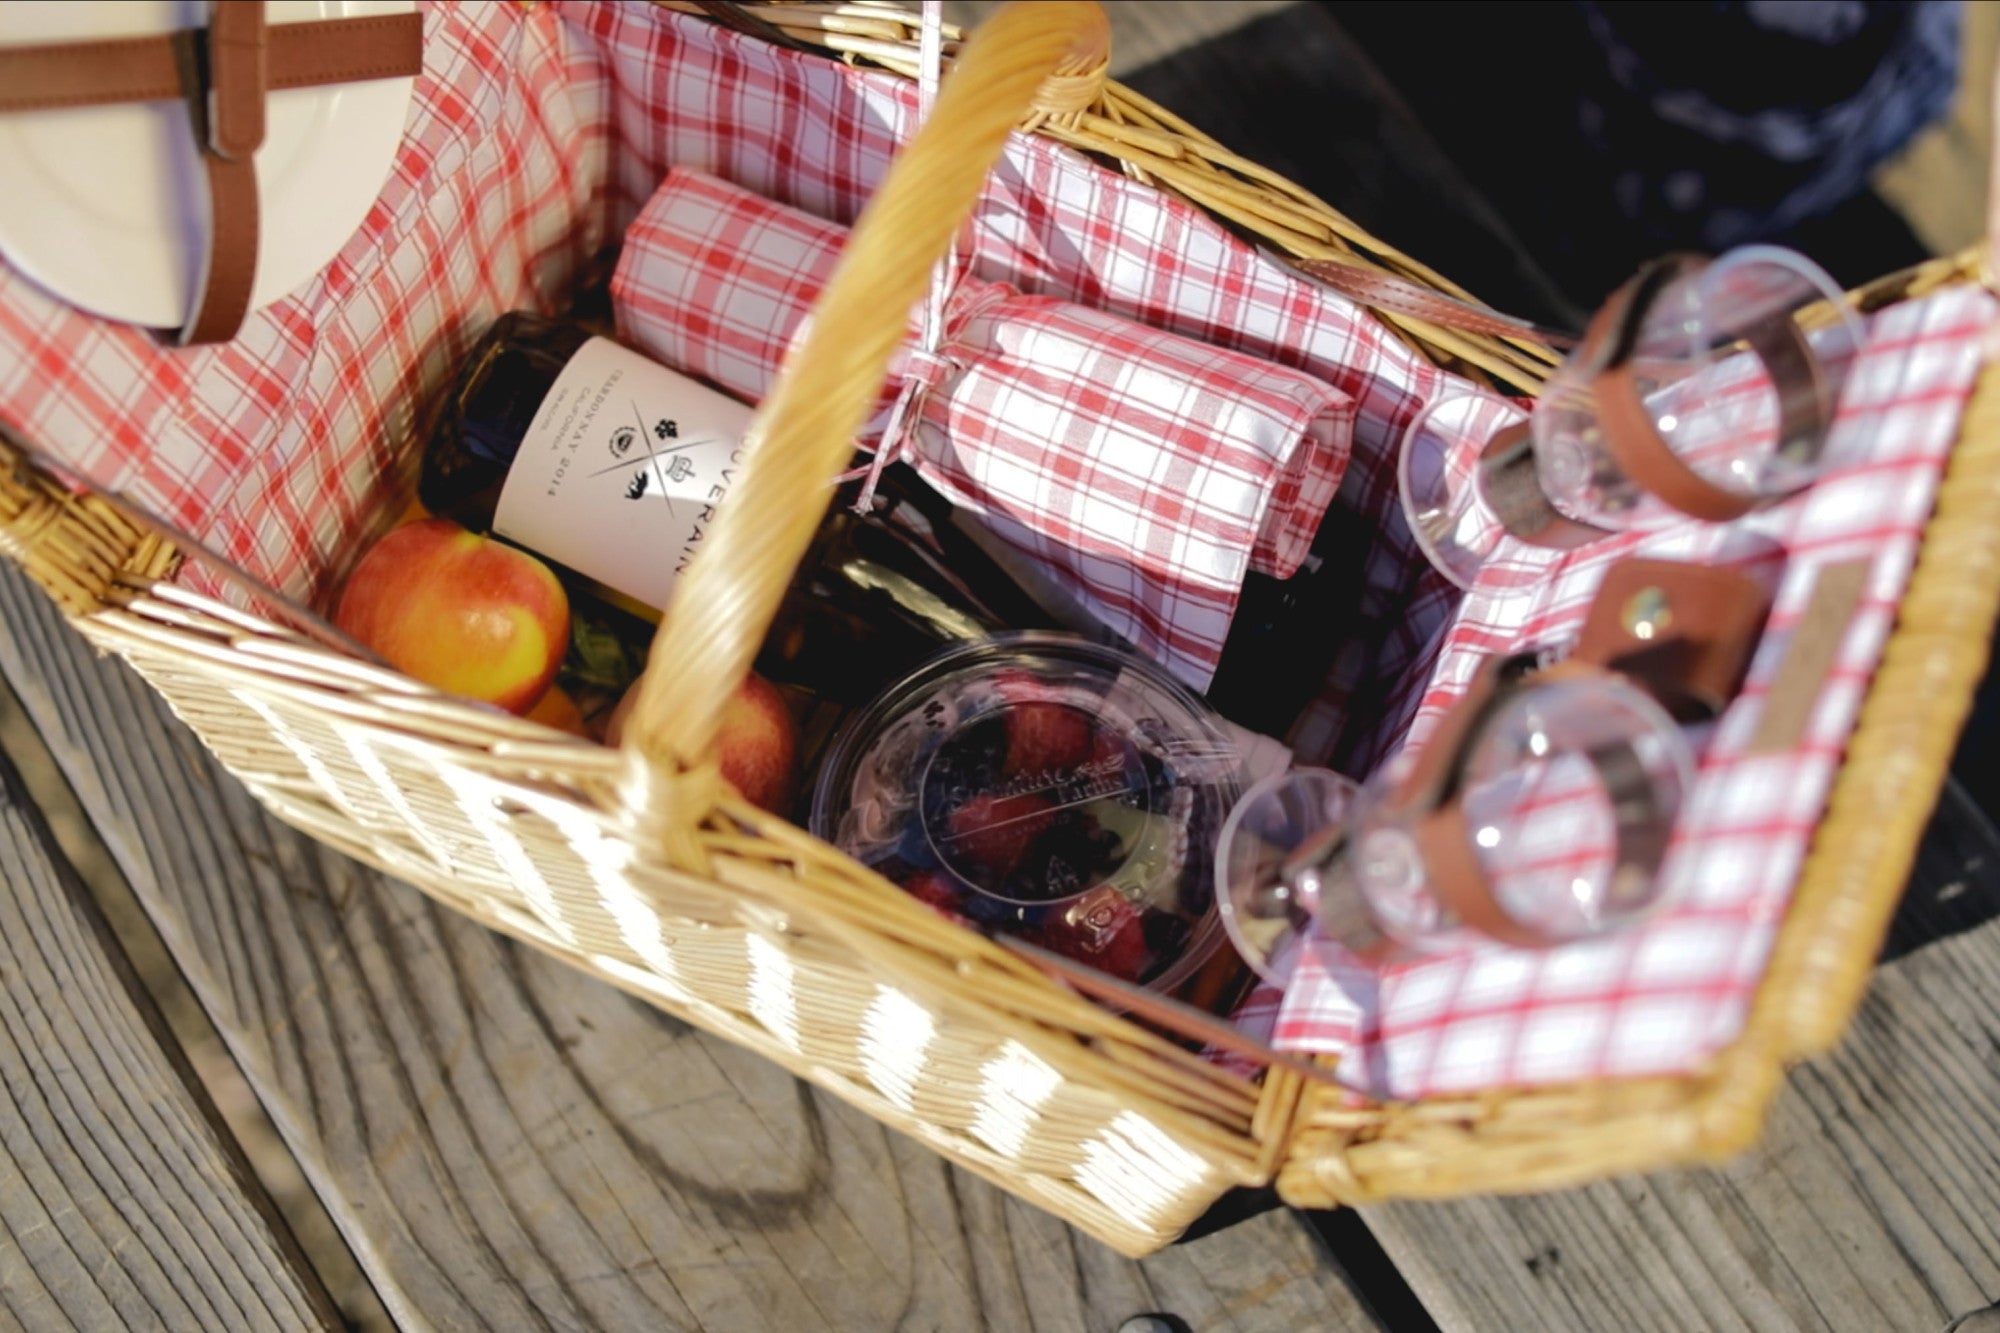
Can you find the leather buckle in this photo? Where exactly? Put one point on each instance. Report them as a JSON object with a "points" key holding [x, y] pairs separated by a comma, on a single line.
{"points": [[236, 76], [1682, 633], [1805, 407]]}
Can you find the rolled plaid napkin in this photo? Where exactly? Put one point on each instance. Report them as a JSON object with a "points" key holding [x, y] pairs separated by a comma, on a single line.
{"points": [[1144, 473]]}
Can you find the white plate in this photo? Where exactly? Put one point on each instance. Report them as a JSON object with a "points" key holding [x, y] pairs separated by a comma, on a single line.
{"points": [[102, 205]]}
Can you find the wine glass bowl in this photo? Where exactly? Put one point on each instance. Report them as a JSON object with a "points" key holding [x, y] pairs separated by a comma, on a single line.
{"points": [[1550, 824], [1568, 793], [1438, 478], [1272, 857], [1702, 389]]}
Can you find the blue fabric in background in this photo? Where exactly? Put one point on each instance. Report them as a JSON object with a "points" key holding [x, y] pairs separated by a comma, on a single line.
{"points": [[1722, 123]]}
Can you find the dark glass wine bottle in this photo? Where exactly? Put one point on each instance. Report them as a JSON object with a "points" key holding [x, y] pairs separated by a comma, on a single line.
{"points": [[611, 468]]}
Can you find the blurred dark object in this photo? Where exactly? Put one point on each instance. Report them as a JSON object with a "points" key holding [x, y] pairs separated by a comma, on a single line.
{"points": [[1976, 763], [1292, 91], [1729, 123], [1609, 133], [1955, 884]]}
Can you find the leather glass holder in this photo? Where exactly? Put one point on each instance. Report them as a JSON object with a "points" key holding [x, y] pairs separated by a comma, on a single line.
{"points": [[1683, 633], [1507, 474], [222, 73]]}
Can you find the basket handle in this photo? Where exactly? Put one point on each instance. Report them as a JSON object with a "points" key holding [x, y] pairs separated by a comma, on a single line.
{"points": [[803, 432]]}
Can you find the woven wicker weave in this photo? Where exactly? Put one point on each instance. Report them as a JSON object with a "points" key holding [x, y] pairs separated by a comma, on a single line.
{"points": [[639, 866]]}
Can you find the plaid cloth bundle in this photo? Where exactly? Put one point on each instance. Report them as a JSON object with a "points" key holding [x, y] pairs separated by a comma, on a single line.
{"points": [[1660, 998], [536, 136], [539, 132], [1145, 473]]}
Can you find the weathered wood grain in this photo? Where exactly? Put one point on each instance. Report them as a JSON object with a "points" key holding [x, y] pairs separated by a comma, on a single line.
{"points": [[123, 1201], [507, 1144], [1872, 1203]]}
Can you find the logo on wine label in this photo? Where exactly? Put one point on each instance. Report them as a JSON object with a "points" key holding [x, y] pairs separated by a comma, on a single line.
{"points": [[678, 469], [624, 437], [671, 441]]}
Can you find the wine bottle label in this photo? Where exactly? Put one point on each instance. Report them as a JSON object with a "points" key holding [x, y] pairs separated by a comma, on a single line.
{"points": [[620, 473]]}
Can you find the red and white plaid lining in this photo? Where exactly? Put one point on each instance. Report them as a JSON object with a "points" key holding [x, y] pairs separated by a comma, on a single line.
{"points": [[1663, 997], [1144, 472], [538, 132], [535, 135]]}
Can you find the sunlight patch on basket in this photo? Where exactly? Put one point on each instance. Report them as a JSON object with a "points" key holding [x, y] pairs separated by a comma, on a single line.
{"points": [[421, 831], [1135, 1168], [1012, 1089], [651, 982], [773, 990], [637, 918], [322, 776], [896, 1035], [486, 805]]}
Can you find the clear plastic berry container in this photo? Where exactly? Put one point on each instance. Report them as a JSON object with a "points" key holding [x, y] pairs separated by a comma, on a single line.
{"points": [[1045, 787]]}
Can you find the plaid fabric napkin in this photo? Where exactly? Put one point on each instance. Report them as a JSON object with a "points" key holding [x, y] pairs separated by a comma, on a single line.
{"points": [[1146, 473], [1663, 997]]}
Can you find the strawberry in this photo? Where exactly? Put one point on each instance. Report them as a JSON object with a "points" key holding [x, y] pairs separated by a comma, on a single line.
{"points": [[1018, 687], [991, 835], [1046, 738], [1101, 929], [937, 891]]}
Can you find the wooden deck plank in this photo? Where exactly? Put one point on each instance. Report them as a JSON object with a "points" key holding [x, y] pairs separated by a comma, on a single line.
{"points": [[507, 1143], [123, 1201], [1869, 1205]]}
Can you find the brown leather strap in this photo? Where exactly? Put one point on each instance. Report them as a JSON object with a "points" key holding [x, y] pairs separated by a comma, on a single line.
{"points": [[1633, 438], [149, 69], [229, 269], [1683, 632], [1385, 291], [124, 69], [1445, 840], [1513, 491], [227, 108], [236, 73], [223, 72]]}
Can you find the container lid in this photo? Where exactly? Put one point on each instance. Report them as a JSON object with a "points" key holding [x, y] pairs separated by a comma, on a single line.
{"points": [[1048, 787]]}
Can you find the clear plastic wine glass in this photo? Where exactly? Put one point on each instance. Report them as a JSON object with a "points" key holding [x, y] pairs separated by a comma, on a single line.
{"points": [[1549, 824], [1702, 388]]}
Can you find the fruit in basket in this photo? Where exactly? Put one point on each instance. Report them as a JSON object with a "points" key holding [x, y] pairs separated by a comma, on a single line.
{"points": [[559, 710], [1047, 737], [467, 614], [756, 745], [989, 836], [1104, 929]]}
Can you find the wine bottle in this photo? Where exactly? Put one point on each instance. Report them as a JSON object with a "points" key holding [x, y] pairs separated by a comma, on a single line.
{"points": [[1286, 633], [612, 467]]}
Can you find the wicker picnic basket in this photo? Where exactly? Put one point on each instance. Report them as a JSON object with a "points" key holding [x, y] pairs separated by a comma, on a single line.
{"points": [[641, 867]]}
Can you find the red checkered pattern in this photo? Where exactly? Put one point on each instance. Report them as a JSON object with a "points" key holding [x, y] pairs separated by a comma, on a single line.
{"points": [[536, 134], [1145, 473], [1663, 997], [274, 449]]}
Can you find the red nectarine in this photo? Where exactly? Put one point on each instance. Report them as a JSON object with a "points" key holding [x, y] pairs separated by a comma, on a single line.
{"points": [[756, 744], [463, 612]]}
